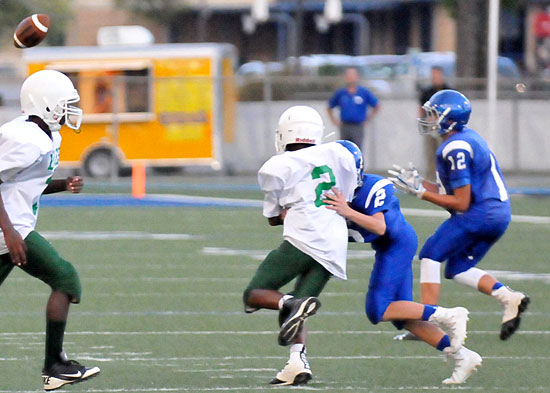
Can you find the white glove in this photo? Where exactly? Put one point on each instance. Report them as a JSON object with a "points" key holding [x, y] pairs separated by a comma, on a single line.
{"points": [[407, 180]]}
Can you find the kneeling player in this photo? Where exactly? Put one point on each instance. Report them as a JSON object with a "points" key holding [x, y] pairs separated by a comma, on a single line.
{"points": [[375, 217]]}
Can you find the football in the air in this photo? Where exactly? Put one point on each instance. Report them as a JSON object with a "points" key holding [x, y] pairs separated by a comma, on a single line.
{"points": [[31, 31]]}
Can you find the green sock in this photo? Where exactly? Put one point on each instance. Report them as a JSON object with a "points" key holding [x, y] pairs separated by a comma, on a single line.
{"points": [[54, 341]]}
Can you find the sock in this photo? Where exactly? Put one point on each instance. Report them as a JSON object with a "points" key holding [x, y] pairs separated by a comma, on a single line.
{"points": [[497, 286], [54, 341], [283, 300], [297, 348], [444, 343], [428, 311]]}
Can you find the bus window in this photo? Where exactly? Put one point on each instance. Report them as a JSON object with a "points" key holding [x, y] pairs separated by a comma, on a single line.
{"points": [[137, 90], [104, 93], [103, 97]]}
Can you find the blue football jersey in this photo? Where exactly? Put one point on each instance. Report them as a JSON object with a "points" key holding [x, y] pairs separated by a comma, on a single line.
{"points": [[465, 158], [374, 196]]}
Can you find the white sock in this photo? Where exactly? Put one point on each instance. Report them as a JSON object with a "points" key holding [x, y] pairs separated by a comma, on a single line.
{"points": [[296, 348], [430, 271], [470, 277], [283, 300]]}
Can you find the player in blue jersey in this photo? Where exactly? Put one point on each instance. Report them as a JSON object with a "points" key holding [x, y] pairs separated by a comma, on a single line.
{"points": [[471, 187], [375, 217]]}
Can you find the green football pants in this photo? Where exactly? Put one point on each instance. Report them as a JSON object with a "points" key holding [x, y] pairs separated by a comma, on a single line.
{"points": [[283, 265], [44, 263]]}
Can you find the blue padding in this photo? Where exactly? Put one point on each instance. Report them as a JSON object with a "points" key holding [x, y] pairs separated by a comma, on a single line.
{"points": [[114, 200]]}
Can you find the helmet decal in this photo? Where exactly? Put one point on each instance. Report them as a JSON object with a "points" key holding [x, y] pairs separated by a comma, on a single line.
{"points": [[299, 124]]}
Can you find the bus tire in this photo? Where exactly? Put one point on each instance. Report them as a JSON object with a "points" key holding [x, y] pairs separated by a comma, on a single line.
{"points": [[101, 163]]}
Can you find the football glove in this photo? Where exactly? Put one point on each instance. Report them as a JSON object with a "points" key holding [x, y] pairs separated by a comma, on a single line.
{"points": [[407, 180]]}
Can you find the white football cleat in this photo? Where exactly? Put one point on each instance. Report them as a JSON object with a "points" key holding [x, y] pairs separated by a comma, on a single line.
{"points": [[466, 362], [455, 321], [513, 304], [296, 371]]}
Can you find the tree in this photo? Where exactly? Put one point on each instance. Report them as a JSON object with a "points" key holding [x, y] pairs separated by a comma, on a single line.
{"points": [[472, 28], [471, 43], [13, 11]]}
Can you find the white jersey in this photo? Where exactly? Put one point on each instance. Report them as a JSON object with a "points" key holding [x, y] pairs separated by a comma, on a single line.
{"points": [[28, 159], [297, 181]]}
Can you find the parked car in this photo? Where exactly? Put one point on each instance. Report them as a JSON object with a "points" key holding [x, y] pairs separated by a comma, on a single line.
{"points": [[424, 61], [260, 68], [389, 76], [407, 73], [315, 76]]}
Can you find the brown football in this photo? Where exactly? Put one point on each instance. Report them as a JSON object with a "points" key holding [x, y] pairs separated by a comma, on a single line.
{"points": [[31, 31]]}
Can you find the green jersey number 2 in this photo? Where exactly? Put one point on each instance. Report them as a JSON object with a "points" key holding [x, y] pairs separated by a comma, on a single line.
{"points": [[324, 186]]}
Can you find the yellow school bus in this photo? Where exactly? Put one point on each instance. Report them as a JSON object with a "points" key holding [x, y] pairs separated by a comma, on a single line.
{"points": [[162, 104]]}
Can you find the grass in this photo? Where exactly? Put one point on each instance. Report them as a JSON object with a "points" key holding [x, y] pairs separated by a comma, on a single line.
{"points": [[166, 315]]}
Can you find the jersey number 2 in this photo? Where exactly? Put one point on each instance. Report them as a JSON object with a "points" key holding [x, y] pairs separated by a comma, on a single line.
{"points": [[324, 186], [380, 196]]}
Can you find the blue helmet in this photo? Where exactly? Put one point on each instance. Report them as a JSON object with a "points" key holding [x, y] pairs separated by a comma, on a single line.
{"points": [[446, 110], [357, 155]]}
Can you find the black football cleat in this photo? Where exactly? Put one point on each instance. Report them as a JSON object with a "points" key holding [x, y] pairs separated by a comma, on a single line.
{"points": [[511, 325], [65, 372], [296, 312]]}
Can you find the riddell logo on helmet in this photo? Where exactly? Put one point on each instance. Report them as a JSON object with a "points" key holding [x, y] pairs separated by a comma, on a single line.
{"points": [[305, 140]]}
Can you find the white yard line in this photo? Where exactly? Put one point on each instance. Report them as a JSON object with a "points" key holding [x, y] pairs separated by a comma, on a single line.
{"points": [[261, 254], [264, 389], [264, 313], [414, 212], [114, 235], [15, 335], [436, 356]]}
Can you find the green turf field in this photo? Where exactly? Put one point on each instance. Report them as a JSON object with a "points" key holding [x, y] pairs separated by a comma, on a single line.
{"points": [[165, 314]]}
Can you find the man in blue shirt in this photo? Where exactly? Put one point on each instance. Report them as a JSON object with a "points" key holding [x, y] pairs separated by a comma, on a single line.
{"points": [[472, 189], [353, 101], [375, 217]]}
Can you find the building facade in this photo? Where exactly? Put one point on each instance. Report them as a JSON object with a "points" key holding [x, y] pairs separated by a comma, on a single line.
{"points": [[367, 27]]}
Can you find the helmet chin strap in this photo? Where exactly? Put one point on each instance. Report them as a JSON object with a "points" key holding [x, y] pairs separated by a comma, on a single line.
{"points": [[53, 125], [442, 119], [449, 129]]}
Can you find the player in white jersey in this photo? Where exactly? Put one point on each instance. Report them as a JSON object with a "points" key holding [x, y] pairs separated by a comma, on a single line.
{"points": [[315, 238], [30, 154]]}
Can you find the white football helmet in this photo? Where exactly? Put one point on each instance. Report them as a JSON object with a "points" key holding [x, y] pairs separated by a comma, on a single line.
{"points": [[47, 94], [299, 124]]}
